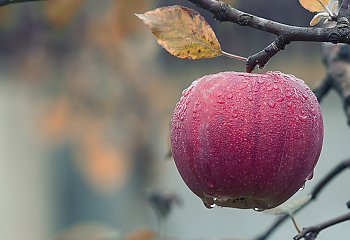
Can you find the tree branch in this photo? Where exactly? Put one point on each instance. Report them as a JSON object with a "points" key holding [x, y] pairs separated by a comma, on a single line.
{"points": [[323, 88], [285, 33], [7, 2], [314, 194], [336, 59], [310, 233]]}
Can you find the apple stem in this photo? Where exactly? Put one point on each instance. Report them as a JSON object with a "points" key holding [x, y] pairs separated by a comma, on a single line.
{"points": [[295, 223], [226, 54]]}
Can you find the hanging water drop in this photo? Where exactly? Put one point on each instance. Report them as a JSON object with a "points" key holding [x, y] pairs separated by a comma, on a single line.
{"points": [[208, 202], [258, 209]]}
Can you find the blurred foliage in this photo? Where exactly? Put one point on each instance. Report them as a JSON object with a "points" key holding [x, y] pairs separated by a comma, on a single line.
{"points": [[142, 234], [89, 231]]}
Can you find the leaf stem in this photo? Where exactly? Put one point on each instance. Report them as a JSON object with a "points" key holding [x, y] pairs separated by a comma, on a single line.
{"points": [[295, 223], [226, 54]]}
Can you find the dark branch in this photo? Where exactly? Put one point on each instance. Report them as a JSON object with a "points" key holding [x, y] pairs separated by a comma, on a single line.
{"points": [[314, 194], [7, 2], [310, 233], [337, 62], [285, 33], [261, 58], [322, 89]]}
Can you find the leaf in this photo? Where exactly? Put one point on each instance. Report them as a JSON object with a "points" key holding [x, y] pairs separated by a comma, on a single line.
{"points": [[318, 17], [314, 5], [183, 32], [289, 208]]}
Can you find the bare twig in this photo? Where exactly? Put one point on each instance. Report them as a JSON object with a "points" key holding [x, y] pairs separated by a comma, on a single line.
{"points": [[7, 2], [337, 62], [310, 233], [285, 33], [314, 194]]}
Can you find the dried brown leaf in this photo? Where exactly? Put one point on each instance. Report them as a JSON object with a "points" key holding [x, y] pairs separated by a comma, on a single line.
{"points": [[183, 32], [314, 5]]}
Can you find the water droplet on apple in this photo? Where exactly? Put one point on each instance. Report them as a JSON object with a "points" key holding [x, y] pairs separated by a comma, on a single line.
{"points": [[280, 98], [208, 202], [187, 91], [229, 96], [303, 118], [310, 176], [302, 187], [250, 98], [271, 103], [288, 93], [261, 80], [209, 206]]}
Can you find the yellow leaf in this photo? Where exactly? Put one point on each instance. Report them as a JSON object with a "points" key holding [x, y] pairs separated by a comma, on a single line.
{"points": [[183, 32], [314, 5]]}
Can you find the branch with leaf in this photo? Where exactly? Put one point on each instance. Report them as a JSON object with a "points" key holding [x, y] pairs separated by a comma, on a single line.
{"points": [[184, 33]]}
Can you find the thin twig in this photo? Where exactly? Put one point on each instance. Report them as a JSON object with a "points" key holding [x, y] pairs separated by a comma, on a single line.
{"points": [[295, 223], [230, 55], [312, 232], [323, 88], [7, 2], [314, 194]]}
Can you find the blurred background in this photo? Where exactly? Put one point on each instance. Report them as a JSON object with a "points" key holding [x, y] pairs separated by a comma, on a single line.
{"points": [[86, 96]]}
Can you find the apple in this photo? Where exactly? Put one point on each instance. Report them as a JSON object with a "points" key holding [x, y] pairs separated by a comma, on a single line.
{"points": [[246, 140]]}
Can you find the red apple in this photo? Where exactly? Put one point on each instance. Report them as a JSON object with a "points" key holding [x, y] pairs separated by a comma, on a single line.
{"points": [[246, 140]]}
